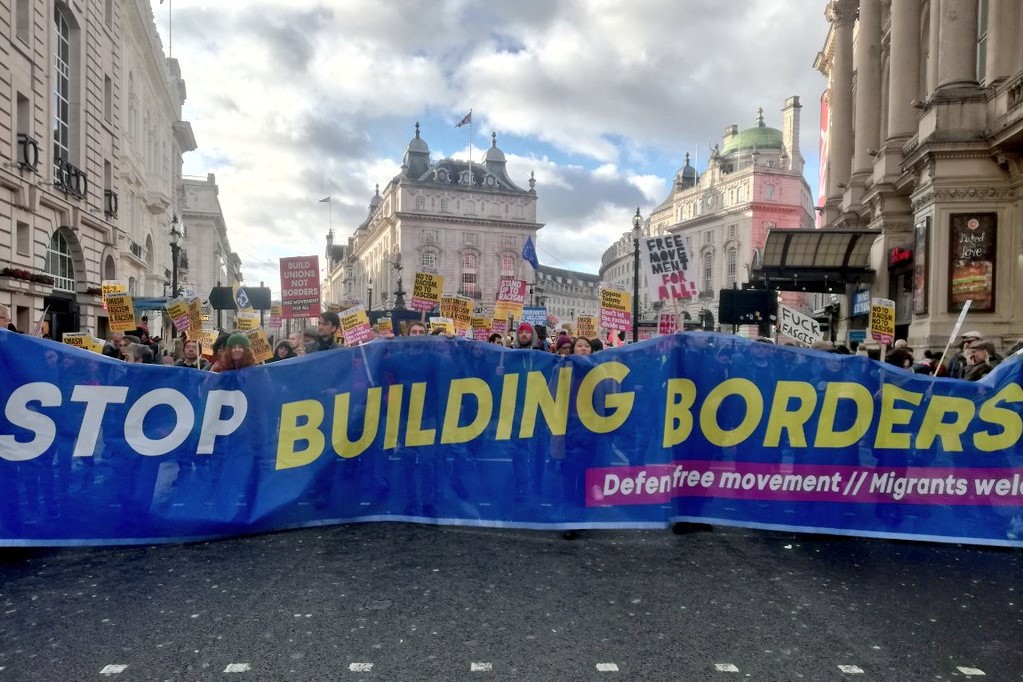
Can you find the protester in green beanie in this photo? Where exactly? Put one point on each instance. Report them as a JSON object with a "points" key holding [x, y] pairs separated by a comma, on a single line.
{"points": [[238, 340], [236, 354]]}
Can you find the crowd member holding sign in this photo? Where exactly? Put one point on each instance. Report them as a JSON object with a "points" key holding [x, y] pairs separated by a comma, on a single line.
{"points": [[326, 333], [237, 354], [192, 356]]}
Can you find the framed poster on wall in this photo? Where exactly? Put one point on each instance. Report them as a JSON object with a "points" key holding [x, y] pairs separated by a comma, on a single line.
{"points": [[972, 248], [921, 240]]}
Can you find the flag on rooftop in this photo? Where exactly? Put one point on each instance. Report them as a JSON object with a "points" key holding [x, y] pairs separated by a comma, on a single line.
{"points": [[465, 120]]}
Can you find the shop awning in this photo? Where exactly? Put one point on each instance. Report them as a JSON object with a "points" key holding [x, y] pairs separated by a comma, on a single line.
{"points": [[814, 260]]}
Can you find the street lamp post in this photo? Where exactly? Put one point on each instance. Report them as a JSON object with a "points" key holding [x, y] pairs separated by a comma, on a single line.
{"points": [[175, 237], [369, 288], [637, 224]]}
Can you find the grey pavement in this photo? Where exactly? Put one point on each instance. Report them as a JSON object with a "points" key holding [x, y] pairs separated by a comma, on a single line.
{"points": [[407, 602]]}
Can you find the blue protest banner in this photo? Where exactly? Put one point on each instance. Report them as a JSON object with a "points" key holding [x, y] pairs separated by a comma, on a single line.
{"points": [[691, 426]]}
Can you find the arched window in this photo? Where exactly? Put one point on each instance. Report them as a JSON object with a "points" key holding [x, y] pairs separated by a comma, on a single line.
{"points": [[732, 266], [109, 268], [469, 278], [59, 263], [149, 251], [132, 287]]}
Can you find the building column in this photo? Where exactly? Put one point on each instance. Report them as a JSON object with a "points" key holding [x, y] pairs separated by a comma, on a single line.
{"points": [[867, 56], [1002, 20], [842, 14], [957, 44], [904, 69]]}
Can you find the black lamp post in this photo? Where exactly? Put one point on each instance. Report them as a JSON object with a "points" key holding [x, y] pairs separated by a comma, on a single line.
{"points": [[175, 237], [637, 224], [369, 287]]}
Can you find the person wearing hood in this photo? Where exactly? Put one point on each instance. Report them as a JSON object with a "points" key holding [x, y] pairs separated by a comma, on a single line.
{"points": [[525, 337]]}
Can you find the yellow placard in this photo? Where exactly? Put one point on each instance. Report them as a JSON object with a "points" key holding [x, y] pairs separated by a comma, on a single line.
{"points": [[194, 319], [76, 339], [121, 312], [276, 310], [586, 326], [882, 320], [459, 309], [385, 326], [110, 287], [247, 320], [177, 308], [259, 344], [445, 324], [567, 326], [426, 290], [332, 308], [209, 337]]}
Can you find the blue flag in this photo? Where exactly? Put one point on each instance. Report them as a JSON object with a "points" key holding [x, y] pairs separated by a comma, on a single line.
{"points": [[529, 253]]}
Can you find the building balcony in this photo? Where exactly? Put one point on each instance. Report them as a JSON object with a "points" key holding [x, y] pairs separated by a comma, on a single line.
{"points": [[28, 152], [70, 179]]}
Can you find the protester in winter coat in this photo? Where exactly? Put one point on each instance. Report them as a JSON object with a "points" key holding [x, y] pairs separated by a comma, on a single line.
{"points": [[192, 356], [981, 361], [283, 351], [326, 333], [525, 337], [237, 354]]}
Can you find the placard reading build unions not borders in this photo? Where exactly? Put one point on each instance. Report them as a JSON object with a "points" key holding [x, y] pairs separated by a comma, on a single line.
{"points": [[439, 430]]}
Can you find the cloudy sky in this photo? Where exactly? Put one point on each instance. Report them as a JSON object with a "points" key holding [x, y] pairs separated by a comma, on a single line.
{"points": [[295, 100]]}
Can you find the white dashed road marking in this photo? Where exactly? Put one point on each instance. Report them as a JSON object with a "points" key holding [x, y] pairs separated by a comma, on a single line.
{"points": [[726, 668], [237, 668], [607, 667], [851, 669], [112, 669], [360, 667], [969, 672], [481, 667]]}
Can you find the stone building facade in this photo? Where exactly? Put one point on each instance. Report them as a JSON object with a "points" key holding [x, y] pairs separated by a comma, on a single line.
{"points": [[206, 258], [567, 294], [91, 145], [466, 221], [753, 184], [926, 121]]}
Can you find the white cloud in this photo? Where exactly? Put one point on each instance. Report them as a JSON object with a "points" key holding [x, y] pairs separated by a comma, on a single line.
{"points": [[293, 101]]}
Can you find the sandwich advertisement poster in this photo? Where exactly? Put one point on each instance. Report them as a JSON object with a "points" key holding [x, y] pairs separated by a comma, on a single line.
{"points": [[973, 244]]}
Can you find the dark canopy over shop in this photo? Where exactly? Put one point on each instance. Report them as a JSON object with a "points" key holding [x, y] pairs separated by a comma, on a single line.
{"points": [[814, 260]]}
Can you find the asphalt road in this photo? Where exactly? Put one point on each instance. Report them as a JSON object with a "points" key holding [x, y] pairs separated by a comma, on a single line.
{"points": [[405, 602]]}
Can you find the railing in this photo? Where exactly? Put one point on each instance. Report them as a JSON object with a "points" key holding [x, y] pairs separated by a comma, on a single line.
{"points": [[28, 152], [70, 178], [110, 203]]}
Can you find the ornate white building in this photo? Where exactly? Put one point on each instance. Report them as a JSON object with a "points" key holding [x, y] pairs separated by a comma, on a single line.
{"points": [[466, 221], [567, 294], [206, 259], [90, 116], [926, 124], [753, 184]]}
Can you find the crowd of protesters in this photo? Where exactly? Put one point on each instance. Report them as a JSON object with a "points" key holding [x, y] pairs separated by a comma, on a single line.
{"points": [[974, 357]]}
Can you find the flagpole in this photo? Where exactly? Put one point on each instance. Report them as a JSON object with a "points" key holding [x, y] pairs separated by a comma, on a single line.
{"points": [[170, 29], [470, 147]]}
